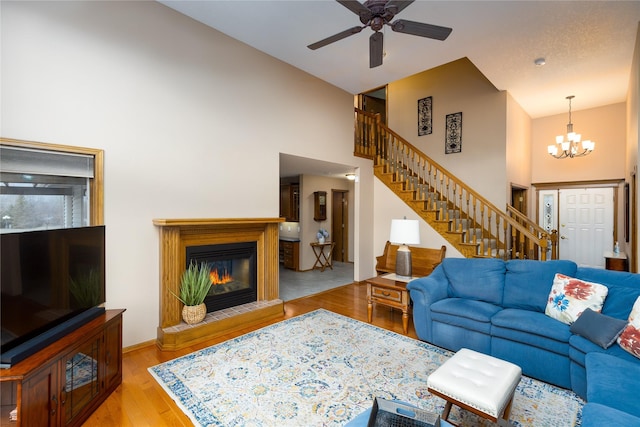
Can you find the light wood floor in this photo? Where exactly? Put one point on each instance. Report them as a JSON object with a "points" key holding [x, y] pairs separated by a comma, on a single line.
{"points": [[140, 401]]}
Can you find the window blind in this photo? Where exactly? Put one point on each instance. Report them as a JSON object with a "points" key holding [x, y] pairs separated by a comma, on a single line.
{"points": [[44, 162]]}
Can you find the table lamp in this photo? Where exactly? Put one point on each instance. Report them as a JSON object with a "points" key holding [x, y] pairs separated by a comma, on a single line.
{"points": [[404, 232]]}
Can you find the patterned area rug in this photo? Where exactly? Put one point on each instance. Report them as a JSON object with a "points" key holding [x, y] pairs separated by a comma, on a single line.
{"points": [[323, 369]]}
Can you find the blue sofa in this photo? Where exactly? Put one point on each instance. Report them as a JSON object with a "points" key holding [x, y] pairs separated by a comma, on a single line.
{"points": [[497, 307]]}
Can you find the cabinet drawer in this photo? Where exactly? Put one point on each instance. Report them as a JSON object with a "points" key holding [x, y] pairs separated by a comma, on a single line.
{"points": [[387, 294]]}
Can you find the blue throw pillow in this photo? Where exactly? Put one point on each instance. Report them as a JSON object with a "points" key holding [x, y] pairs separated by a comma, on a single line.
{"points": [[598, 328]]}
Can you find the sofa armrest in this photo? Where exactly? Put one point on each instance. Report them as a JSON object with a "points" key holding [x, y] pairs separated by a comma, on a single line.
{"points": [[424, 292]]}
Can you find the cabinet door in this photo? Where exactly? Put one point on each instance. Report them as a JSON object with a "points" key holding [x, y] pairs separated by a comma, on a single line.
{"points": [[294, 199], [40, 400], [113, 356], [81, 381], [285, 202]]}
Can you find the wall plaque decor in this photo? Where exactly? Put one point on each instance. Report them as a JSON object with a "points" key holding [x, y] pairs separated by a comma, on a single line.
{"points": [[453, 137], [424, 116]]}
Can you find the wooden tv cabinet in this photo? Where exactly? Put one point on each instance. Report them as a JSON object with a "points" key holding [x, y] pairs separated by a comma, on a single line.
{"points": [[62, 384]]}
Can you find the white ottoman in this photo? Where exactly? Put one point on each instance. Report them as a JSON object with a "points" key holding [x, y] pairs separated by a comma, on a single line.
{"points": [[476, 382]]}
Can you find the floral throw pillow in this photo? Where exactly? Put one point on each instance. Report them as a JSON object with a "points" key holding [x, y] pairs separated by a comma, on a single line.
{"points": [[569, 297], [629, 339]]}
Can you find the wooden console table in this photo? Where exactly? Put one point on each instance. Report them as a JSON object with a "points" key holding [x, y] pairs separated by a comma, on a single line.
{"points": [[323, 259], [51, 387]]}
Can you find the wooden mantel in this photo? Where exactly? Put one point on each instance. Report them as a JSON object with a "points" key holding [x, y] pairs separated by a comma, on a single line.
{"points": [[176, 235]]}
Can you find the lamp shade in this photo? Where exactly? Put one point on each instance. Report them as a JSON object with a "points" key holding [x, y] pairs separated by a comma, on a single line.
{"points": [[405, 231]]}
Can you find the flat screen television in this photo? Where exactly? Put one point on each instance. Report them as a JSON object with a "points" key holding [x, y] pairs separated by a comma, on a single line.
{"points": [[52, 282]]}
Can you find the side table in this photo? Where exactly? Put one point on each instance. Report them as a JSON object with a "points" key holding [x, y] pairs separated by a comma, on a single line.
{"points": [[323, 258], [390, 292], [615, 261]]}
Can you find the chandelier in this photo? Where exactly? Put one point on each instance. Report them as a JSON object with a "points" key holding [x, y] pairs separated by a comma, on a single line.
{"points": [[569, 145]]}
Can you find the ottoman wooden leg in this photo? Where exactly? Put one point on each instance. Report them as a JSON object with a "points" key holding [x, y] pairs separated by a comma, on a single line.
{"points": [[446, 410], [507, 410]]}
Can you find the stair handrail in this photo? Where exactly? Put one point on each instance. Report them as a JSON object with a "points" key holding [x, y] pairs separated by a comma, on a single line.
{"points": [[376, 141]]}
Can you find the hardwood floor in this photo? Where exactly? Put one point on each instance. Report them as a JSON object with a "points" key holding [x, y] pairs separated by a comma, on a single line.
{"points": [[140, 401]]}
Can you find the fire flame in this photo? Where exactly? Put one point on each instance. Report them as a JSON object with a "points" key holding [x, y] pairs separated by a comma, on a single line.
{"points": [[220, 279]]}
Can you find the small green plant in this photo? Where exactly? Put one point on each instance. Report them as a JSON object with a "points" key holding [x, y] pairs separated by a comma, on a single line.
{"points": [[195, 284], [85, 288]]}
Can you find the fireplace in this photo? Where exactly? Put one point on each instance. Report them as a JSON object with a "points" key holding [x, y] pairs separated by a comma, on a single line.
{"points": [[232, 271], [176, 235]]}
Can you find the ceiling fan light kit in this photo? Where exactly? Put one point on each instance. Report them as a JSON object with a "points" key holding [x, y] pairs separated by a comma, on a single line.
{"points": [[376, 14]]}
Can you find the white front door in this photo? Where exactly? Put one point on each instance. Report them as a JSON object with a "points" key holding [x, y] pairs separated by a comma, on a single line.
{"points": [[586, 225]]}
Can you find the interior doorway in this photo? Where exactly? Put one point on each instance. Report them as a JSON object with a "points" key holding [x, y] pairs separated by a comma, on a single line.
{"points": [[340, 225], [519, 199], [584, 218], [374, 101], [586, 225]]}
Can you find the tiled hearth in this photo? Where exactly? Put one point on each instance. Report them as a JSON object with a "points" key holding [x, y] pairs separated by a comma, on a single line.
{"points": [[175, 236], [224, 315]]}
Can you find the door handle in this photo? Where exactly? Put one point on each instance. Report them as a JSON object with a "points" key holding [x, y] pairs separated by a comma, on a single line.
{"points": [[563, 238]]}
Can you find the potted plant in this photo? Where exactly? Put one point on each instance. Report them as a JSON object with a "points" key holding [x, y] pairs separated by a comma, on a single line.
{"points": [[194, 287], [322, 235], [86, 288]]}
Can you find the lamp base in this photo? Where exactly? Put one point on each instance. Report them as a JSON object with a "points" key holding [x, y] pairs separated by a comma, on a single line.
{"points": [[403, 261]]}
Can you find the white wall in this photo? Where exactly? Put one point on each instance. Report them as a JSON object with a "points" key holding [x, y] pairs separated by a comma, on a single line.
{"points": [[518, 149], [192, 123], [388, 206], [457, 87], [606, 125]]}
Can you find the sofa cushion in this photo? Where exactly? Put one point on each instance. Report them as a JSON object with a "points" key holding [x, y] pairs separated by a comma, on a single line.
{"points": [[629, 339], [569, 297], [580, 346], [619, 301], [597, 415], [528, 282], [624, 288], [533, 328], [598, 328], [613, 382], [469, 314], [480, 279], [609, 277]]}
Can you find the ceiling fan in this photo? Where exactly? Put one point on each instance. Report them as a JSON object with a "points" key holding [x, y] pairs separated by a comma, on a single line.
{"points": [[376, 14]]}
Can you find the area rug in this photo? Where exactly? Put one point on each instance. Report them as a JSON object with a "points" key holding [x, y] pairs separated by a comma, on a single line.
{"points": [[323, 369]]}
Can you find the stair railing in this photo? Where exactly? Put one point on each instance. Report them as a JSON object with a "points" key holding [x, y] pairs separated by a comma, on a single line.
{"points": [[484, 227], [552, 236]]}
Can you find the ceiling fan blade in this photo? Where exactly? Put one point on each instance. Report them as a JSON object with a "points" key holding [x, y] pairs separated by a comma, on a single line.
{"points": [[420, 29], [335, 38], [376, 47], [358, 8], [398, 6]]}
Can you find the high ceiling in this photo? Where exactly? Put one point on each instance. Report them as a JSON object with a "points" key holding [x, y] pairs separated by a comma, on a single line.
{"points": [[587, 45]]}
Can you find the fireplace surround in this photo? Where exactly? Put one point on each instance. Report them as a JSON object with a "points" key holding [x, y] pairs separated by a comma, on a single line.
{"points": [[175, 236]]}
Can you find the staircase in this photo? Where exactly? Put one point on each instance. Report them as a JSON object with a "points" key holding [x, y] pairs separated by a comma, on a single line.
{"points": [[469, 222]]}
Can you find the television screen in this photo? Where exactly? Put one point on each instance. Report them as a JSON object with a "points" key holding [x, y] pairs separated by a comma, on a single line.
{"points": [[48, 277]]}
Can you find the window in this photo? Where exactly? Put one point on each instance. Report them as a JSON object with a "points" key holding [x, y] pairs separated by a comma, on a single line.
{"points": [[44, 186]]}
